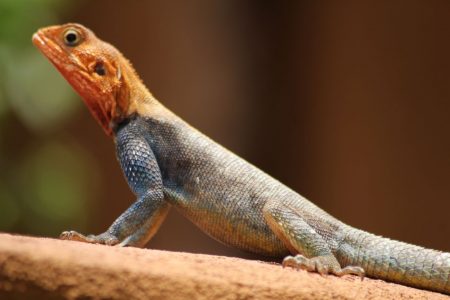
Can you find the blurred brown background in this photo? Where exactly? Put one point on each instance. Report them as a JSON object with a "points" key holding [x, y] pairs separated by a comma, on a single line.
{"points": [[347, 102]]}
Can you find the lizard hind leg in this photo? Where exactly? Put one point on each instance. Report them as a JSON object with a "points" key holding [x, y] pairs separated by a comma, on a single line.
{"points": [[286, 221]]}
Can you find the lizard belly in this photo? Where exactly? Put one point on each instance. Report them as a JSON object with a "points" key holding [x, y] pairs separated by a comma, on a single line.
{"points": [[233, 225]]}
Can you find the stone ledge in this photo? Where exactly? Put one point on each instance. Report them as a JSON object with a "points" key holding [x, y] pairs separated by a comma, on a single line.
{"points": [[33, 268]]}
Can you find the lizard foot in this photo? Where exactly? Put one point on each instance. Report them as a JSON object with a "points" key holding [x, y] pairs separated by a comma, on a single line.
{"points": [[322, 265], [104, 238]]}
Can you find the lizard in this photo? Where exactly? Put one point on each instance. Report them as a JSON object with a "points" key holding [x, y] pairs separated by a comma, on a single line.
{"points": [[167, 163]]}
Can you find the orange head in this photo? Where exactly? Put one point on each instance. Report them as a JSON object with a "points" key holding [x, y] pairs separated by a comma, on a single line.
{"points": [[95, 69]]}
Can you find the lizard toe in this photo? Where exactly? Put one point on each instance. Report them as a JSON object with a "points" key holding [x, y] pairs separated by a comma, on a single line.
{"points": [[351, 270], [323, 265], [73, 236], [299, 262], [104, 238]]}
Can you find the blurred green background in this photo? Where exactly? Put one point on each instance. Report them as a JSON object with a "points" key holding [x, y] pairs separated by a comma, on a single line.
{"points": [[47, 178], [347, 102]]}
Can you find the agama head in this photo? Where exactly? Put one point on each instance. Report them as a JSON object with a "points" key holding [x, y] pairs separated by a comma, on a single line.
{"points": [[94, 68]]}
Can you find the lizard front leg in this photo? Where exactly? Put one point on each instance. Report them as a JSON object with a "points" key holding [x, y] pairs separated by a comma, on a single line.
{"points": [[314, 253], [137, 225]]}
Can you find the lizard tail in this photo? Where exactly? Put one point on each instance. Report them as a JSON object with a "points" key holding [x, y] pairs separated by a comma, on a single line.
{"points": [[396, 261]]}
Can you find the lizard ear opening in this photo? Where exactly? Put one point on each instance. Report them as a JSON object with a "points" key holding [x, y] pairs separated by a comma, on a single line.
{"points": [[99, 68]]}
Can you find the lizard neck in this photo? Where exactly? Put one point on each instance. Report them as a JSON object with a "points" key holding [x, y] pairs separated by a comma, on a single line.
{"points": [[137, 99], [145, 105]]}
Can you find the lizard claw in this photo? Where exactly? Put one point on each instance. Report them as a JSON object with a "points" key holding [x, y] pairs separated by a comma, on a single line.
{"points": [[321, 264]]}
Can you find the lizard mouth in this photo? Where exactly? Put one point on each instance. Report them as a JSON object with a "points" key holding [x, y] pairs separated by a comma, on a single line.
{"points": [[50, 49]]}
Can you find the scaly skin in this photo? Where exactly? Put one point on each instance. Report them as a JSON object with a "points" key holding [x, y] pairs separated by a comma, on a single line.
{"points": [[168, 163]]}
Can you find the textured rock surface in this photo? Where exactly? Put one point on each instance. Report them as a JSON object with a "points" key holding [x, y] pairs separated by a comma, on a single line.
{"points": [[42, 268]]}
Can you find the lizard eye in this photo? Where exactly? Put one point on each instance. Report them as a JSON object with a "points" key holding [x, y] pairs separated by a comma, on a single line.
{"points": [[71, 37]]}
